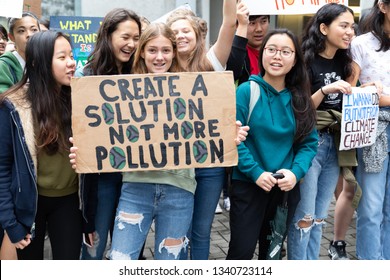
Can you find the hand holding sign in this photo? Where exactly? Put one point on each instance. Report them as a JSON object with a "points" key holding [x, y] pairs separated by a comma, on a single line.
{"points": [[359, 118], [155, 121]]}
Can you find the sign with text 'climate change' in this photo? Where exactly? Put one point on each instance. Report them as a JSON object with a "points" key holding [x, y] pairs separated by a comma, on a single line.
{"points": [[359, 118], [154, 121]]}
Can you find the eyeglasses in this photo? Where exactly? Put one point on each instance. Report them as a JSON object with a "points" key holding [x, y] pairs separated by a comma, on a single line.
{"points": [[285, 52]]}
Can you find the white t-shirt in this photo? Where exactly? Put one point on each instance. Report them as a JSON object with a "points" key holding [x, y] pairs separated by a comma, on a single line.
{"points": [[374, 65], [214, 60], [20, 59]]}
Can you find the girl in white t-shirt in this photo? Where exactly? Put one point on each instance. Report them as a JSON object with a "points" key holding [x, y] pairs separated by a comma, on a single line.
{"points": [[371, 60]]}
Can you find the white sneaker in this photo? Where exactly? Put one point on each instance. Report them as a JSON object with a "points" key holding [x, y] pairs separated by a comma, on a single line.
{"points": [[218, 209], [226, 204]]}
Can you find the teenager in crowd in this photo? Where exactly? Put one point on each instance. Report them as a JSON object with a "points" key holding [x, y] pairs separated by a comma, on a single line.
{"points": [[3, 39], [244, 57], [173, 189], [282, 139], [325, 45], [192, 57], [244, 61], [371, 58], [116, 43], [12, 63], [35, 124], [162, 196]]}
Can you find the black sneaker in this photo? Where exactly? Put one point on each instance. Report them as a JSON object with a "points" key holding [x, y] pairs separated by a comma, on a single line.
{"points": [[337, 251]]}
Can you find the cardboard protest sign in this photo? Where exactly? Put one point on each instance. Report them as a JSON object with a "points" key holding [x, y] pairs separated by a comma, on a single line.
{"points": [[287, 7], [359, 118], [82, 32], [154, 121]]}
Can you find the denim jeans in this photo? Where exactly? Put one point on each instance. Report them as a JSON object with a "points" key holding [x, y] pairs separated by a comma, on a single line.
{"points": [[373, 213], [316, 190], [209, 182], [139, 204], [108, 192]]}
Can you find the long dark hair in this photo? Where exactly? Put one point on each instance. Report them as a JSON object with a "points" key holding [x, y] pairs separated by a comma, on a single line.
{"points": [[102, 59], [297, 81], [373, 22], [50, 103], [314, 42]]}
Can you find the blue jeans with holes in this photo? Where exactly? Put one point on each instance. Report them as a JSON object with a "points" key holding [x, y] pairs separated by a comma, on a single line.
{"points": [[142, 203], [209, 182], [373, 213], [316, 190], [108, 192]]}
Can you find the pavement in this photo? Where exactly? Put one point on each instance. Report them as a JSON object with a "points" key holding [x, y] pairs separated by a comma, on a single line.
{"points": [[220, 235]]}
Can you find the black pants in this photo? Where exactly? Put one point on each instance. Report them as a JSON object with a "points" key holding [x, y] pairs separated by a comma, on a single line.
{"points": [[251, 211], [63, 219]]}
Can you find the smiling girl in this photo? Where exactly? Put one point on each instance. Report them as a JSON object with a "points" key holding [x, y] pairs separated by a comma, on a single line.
{"points": [[163, 196], [282, 139], [325, 45], [116, 43]]}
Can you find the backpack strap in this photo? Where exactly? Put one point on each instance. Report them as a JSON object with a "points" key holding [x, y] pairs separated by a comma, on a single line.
{"points": [[255, 95]]}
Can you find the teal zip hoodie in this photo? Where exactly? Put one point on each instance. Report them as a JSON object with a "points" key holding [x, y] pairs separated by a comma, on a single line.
{"points": [[11, 71], [270, 143]]}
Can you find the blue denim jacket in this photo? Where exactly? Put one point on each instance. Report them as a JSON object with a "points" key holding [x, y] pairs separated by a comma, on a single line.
{"points": [[18, 191]]}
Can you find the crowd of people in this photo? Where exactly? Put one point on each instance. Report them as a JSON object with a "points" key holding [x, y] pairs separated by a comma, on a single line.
{"points": [[287, 139]]}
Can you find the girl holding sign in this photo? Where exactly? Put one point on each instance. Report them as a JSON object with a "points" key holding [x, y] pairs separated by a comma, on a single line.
{"points": [[163, 196], [325, 45], [38, 187], [117, 41], [371, 60], [192, 57]]}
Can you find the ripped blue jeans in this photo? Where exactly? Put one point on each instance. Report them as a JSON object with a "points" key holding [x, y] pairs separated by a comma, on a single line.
{"points": [[316, 189], [139, 205]]}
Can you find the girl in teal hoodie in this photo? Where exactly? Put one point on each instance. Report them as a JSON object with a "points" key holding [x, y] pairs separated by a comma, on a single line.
{"points": [[282, 139]]}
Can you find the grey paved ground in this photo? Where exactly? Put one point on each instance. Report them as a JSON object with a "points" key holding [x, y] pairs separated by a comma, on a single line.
{"points": [[220, 238]]}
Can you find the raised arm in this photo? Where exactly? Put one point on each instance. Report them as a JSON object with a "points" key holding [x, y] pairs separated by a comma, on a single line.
{"points": [[242, 19], [224, 42], [237, 55]]}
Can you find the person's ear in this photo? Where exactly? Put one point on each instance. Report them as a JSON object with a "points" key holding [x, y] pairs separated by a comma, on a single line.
{"points": [[324, 29], [382, 7], [11, 37]]}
